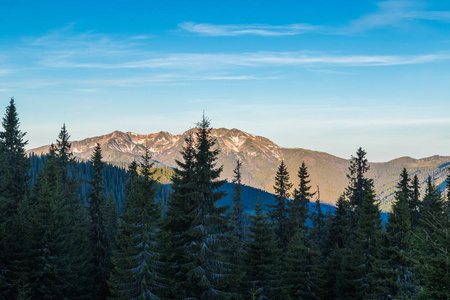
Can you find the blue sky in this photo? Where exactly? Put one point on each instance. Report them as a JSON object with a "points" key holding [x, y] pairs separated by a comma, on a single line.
{"points": [[322, 75]]}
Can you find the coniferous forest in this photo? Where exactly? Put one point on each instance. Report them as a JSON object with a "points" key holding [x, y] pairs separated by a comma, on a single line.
{"points": [[64, 236]]}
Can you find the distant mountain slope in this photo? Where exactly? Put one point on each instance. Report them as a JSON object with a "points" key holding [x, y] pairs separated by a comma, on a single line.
{"points": [[261, 158]]}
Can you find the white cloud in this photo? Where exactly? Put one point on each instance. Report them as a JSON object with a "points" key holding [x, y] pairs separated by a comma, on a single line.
{"points": [[246, 29], [216, 61], [389, 13], [141, 37], [5, 72], [394, 13], [86, 90]]}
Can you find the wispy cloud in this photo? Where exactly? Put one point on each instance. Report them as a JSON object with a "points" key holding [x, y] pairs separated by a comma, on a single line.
{"points": [[250, 59], [108, 60], [141, 37], [389, 13], [96, 84], [66, 43], [4, 72], [86, 90], [355, 123], [394, 13], [246, 29]]}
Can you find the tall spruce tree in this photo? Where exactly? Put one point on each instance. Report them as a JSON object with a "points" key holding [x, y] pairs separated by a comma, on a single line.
{"points": [[262, 258], [238, 235], [208, 233], [279, 209], [415, 203], [359, 185], [177, 221], [14, 180], [101, 259], [404, 185], [298, 207], [80, 247], [432, 204], [339, 234], [363, 275], [336, 247], [49, 276], [434, 244], [302, 275], [58, 231], [136, 272], [14, 190], [400, 243], [318, 231], [237, 210]]}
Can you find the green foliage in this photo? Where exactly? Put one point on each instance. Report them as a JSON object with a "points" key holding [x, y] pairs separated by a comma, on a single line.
{"points": [[207, 234], [434, 244], [136, 259], [359, 185], [14, 191], [101, 248], [298, 207], [236, 249], [59, 255], [400, 251], [49, 275], [362, 274], [178, 220], [415, 203], [279, 210], [318, 231], [302, 276], [201, 248], [262, 258]]}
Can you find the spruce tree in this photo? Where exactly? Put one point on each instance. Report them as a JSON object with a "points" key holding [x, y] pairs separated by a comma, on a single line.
{"points": [[298, 207], [339, 235], [434, 245], [238, 235], [302, 277], [99, 236], [415, 203], [363, 270], [279, 209], [51, 275], [208, 233], [432, 204], [136, 272], [400, 243], [317, 235], [177, 221], [14, 180], [404, 186], [262, 258], [359, 185], [111, 221], [14, 190], [80, 247], [237, 210], [337, 247]]}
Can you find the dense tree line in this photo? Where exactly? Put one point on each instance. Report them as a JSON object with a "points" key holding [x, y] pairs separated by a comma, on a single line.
{"points": [[63, 236]]}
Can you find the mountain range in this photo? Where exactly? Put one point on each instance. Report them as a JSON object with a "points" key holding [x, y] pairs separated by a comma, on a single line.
{"points": [[261, 158]]}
